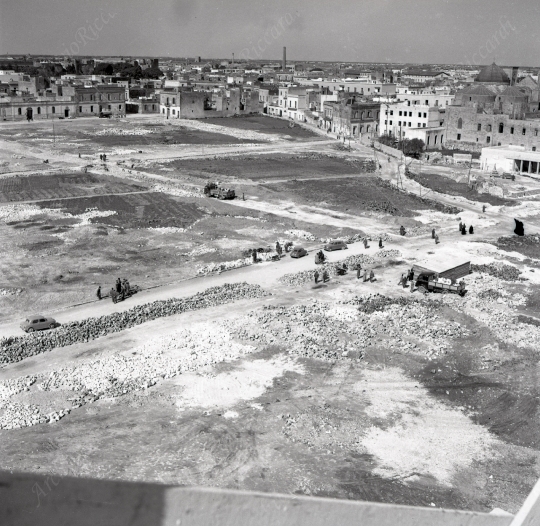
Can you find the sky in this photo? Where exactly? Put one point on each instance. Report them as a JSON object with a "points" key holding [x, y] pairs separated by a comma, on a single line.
{"points": [[418, 31]]}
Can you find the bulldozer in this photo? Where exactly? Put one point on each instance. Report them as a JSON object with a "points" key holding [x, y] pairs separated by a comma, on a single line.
{"points": [[213, 190]]}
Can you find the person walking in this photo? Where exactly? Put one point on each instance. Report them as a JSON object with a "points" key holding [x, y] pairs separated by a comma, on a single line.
{"points": [[113, 294], [484, 208], [380, 242], [254, 255], [412, 285], [371, 276], [436, 239], [402, 280], [433, 234], [118, 286], [402, 230], [471, 230], [98, 293], [325, 276], [464, 230], [366, 243], [358, 271], [460, 226], [316, 276], [365, 276]]}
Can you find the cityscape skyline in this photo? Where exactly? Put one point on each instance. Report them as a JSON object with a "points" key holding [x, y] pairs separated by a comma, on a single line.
{"points": [[439, 31]]}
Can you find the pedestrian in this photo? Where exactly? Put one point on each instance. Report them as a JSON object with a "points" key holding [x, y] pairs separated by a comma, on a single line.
{"points": [[402, 230], [483, 208], [113, 295], [412, 285], [371, 276], [433, 233], [79, 155], [118, 286], [402, 279], [410, 277], [464, 230], [325, 276], [436, 239], [316, 276], [243, 197], [98, 293], [254, 254], [460, 226], [100, 157], [104, 157], [471, 230], [279, 250], [365, 276], [380, 242], [366, 243], [359, 271]]}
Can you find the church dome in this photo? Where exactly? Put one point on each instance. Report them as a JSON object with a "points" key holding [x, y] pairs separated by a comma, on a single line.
{"points": [[492, 75]]}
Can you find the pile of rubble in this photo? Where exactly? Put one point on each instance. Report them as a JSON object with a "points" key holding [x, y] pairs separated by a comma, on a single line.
{"points": [[378, 302], [177, 190], [11, 291], [218, 268], [499, 270], [121, 131], [14, 349], [301, 234], [249, 135], [301, 278]]}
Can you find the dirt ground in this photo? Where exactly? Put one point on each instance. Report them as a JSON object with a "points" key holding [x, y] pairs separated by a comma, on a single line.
{"points": [[345, 389]]}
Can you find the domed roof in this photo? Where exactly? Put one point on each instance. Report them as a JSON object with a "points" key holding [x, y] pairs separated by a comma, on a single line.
{"points": [[511, 92], [492, 74], [478, 90]]}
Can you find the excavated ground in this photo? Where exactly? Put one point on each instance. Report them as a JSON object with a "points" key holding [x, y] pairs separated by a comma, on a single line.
{"points": [[349, 389]]}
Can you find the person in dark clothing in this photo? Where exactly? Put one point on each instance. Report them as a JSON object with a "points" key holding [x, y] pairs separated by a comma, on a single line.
{"points": [[380, 242], [114, 295], [100, 157], [359, 271], [325, 276], [436, 239], [464, 231], [410, 276], [316, 276], [483, 208], [460, 226], [471, 230], [371, 276], [254, 254], [118, 286], [433, 234], [402, 230], [98, 293]]}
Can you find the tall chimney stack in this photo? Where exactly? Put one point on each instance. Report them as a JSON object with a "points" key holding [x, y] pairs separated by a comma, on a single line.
{"points": [[284, 65]]}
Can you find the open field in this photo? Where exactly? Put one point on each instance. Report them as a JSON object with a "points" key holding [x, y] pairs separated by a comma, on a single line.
{"points": [[228, 373]]}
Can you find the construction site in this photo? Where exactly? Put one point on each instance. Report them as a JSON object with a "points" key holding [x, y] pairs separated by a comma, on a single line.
{"points": [[400, 367]]}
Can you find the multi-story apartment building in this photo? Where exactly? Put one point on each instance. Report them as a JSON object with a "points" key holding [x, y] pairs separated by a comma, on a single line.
{"points": [[106, 98]]}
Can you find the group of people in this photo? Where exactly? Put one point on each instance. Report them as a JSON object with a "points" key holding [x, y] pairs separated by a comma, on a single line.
{"points": [[406, 278], [463, 229], [325, 276], [119, 292], [435, 236], [365, 274], [103, 157]]}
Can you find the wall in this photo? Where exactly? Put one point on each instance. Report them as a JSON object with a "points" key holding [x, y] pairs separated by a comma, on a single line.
{"points": [[473, 139]]}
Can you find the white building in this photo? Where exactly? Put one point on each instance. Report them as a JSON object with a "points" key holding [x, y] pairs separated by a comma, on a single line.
{"points": [[511, 158], [395, 119]]}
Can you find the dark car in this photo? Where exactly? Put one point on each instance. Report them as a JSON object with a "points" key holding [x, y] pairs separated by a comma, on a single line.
{"points": [[298, 252], [38, 322], [335, 245]]}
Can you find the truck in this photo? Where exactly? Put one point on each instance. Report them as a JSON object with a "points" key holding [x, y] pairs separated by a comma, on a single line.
{"points": [[213, 190], [428, 283]]}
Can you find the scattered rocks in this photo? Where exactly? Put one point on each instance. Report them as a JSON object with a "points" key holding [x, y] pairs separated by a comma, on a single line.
{"points": [[14, 349], [499, 270]]}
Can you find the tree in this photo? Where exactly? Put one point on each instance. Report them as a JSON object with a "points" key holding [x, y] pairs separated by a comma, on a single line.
{"points": [[413, 147]]}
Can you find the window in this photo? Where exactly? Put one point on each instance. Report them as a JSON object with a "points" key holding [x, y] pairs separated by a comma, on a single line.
{"points": [[39, 111], [488, 139], [479, 127], [419, 115], [410, 114], [512, 130], [162, 110], [174, 100], [91, 109], [435, 141], [460, 123], [19, 111], [119, 106], [424, 125], [80, 109], [410, 124], [174, 112], [536, 133], [145, 107], [459, 136], [390, 123], [523, 131], [488, 127], [399, 123], [400, 113], [534, 148], [501, 127], [386, 122], [391, 112], [408, 103], [425, 115], [53, 109], [369, 114]]}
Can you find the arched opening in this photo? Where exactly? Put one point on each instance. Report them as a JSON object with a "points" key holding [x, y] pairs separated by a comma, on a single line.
{"points": [[39, 110], [501, 127]]}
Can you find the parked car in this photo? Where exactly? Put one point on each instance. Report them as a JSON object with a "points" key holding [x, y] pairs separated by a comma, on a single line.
{"points": [[335, 245], [38, 322], [298, 252]]}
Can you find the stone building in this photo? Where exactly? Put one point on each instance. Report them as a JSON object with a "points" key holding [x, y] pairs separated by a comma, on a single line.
{"points": [[108, 98], [349, 117], [492, 112]]}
